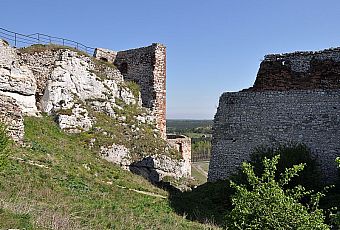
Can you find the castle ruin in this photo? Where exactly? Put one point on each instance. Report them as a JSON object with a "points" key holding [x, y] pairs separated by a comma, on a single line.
{"points": [[64, 82], [295, 98], [145, 66]]}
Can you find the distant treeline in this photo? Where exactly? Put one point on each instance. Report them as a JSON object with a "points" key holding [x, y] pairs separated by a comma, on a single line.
{"points": [[185, 126], [200, 132]]}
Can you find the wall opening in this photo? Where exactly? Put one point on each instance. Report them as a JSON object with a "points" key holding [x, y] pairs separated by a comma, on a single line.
{"points": [[123, 68], [180, 147], [104, 59]]}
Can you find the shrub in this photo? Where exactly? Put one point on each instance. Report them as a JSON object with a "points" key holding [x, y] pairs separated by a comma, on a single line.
{"points": [[266, 205], [291, 154]]}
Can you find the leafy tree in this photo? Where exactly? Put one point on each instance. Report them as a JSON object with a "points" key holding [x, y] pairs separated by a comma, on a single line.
{"points": [[266, 205]]}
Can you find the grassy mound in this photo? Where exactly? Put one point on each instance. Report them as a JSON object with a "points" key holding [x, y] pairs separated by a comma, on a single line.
{"points": [[57, 182]]}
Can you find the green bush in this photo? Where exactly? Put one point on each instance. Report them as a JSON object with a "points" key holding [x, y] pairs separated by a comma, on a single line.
{"points": [[266, 205], [3, 147], [290, 154]]}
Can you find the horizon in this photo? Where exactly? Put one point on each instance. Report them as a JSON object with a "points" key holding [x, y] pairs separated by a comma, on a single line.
{"points": [[211, 47]]}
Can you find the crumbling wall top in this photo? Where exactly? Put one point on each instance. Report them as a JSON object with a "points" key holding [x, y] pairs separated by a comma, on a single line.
{"points": [[297, 54], [299, 71]]}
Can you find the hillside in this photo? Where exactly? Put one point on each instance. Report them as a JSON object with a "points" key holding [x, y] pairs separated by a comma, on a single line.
{"points": [[57, 182], [78, 124], [87, 94]]}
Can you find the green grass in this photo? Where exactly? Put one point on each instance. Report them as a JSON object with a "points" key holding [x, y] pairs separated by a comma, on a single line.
{"points": [[11, 220], [199, 177], [149, 141], [133, 87], [102, 65], [56, 180], [208, 202], [38, 48], [204, 165]]}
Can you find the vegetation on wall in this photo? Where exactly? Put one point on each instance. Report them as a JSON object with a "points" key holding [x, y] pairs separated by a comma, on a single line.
{"points": [[133, 87]]}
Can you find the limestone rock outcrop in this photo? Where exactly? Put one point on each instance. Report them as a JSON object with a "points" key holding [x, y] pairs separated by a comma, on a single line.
{"points": [[17, 80], [85, 94], [153, 167]]}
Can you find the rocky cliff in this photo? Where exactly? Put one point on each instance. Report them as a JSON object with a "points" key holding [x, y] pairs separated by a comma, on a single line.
{"points": [[86, 97]]}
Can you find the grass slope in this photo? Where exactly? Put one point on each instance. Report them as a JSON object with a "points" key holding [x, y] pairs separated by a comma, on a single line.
{"points": [[57, 182]]}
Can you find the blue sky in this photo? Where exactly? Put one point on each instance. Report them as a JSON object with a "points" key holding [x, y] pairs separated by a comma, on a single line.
{"points": [[212, 46]]}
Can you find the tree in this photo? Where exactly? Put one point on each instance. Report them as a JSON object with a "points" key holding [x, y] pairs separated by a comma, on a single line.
{"points": [[266, 205]]}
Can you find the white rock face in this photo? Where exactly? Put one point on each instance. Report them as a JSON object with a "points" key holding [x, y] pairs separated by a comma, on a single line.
{"points": [[75, 122], [154, 168], [73, 79], [70, 80], [117, 154], [165, 166], [17, 80]]}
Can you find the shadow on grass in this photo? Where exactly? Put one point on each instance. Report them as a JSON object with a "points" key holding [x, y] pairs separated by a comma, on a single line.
{"points": [[208, 203]]}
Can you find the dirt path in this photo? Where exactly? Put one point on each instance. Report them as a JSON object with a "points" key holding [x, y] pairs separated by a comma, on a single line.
{"points": [[200, 169], [143, 192]]}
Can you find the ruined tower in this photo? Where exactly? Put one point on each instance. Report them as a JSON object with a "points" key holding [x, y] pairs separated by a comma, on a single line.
{"points": [[145, 66]]}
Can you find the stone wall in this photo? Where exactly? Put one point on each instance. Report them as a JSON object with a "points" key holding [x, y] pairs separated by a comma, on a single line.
{"points": [[147, 67], [299, 70], [42, 65], [105, 54], [245, 120], [183, 145], [11, 116]]}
